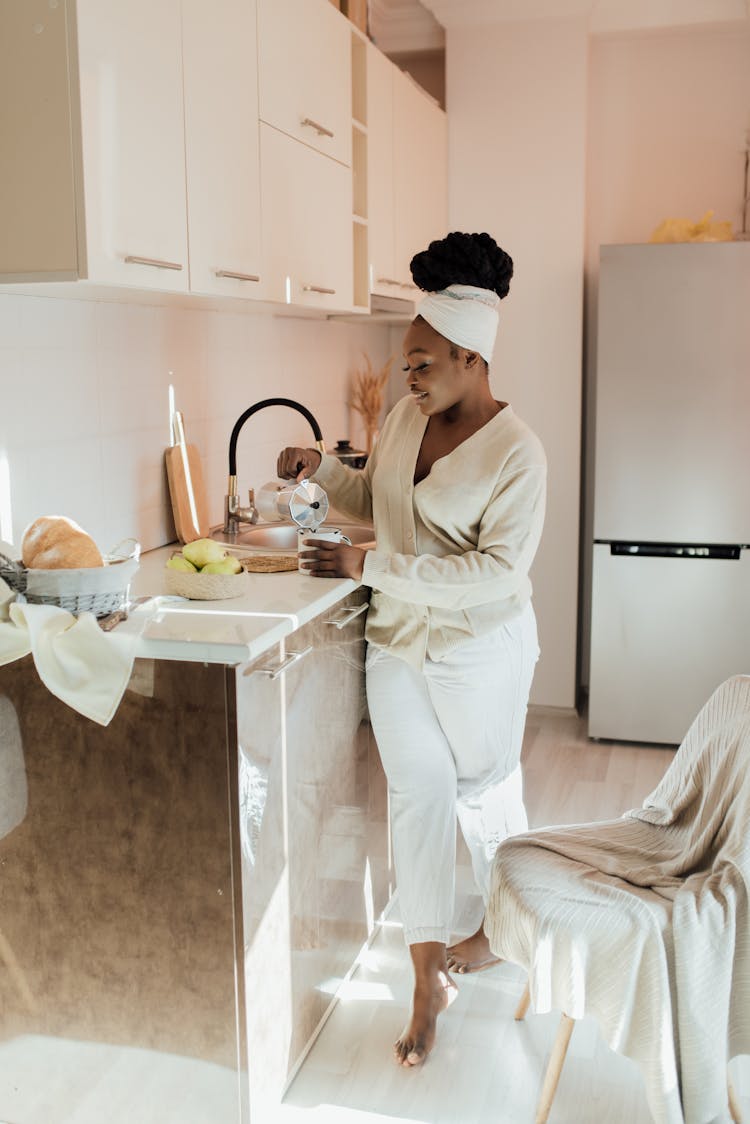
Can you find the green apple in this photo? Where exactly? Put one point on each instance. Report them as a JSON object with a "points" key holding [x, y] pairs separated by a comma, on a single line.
{"points": [[201, 551], [228, 565], [180, 563]]}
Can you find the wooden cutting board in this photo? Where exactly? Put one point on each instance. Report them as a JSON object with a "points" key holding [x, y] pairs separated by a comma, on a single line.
{"points": [[186, 487]]}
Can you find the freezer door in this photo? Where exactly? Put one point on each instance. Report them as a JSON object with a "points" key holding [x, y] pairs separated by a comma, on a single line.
{"points": [[665, 632], [673, 394]]}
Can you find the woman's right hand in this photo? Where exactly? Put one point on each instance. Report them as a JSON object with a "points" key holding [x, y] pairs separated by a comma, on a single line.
{"points": [[297, 464]]}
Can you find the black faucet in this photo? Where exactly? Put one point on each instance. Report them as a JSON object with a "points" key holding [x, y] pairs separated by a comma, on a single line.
{"points": [[233, 513]]}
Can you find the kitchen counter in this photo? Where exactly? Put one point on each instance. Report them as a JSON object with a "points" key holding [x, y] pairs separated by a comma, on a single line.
{"points": [[225, 632], [185, 887]]}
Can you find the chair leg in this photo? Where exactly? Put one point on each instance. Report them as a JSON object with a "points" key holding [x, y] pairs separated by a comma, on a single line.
{"points": [[734, 1108], [554, 1068], [523, 1004]]}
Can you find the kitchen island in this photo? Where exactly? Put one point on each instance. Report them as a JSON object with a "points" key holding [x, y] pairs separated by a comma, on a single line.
{"points": [[189, 886]]}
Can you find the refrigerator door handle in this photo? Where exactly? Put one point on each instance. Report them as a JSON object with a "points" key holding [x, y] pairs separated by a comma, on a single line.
{"points": [[724, 551]]}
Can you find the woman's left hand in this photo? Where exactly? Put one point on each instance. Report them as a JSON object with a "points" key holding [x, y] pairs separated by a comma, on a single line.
{"points": [[324, 559]]}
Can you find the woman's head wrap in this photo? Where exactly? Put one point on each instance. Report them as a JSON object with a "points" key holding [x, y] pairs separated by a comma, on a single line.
{"points": [[466, 315]]}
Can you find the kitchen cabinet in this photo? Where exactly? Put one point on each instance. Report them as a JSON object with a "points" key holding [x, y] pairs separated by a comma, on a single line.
{"points": [[93, 111], [305, 109], [304, 73], [380, 175], [132, 147], [307, 224], [149, 138], [313, 825], [117, 956], [111, 112], [407, 175], [187, 885], [222, 147], [420, 180]]}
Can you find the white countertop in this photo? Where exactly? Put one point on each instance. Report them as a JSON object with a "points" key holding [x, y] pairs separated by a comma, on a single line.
{"points": [[228, 632]]}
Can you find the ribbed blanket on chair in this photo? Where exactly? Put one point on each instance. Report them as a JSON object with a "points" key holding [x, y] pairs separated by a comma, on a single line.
{"points": [[643, 922]]}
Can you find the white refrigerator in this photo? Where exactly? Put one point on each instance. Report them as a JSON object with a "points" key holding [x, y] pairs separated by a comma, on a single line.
{"points": [[670, 613]]}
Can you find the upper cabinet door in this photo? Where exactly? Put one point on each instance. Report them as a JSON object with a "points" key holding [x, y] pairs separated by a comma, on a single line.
{"points": [[304, 80], [381, 175], [221, 146], [39, 170], [420, 155], [307, 225], [132, 136]]}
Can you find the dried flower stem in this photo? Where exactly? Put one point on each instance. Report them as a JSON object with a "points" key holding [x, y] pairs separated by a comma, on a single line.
{"points": [[367, 397]]}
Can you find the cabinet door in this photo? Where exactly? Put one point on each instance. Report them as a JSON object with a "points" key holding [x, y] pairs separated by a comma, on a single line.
{"points": [[307, 227], [381, 175], [38, 181], [305, 73], [221, 146], [133, 143], [265, 984], [314, 834], [330, 876], [421, 173]]}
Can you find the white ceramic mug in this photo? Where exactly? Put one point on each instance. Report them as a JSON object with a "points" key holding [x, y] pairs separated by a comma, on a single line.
{"points": [[307, 535]]}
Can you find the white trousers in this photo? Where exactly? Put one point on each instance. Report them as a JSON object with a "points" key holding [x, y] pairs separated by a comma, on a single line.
{"points": [[450, 740]]}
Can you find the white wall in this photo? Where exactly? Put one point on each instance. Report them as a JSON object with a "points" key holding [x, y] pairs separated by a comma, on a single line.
{"points": [[84, 404], [668, 114], [516, 96]]}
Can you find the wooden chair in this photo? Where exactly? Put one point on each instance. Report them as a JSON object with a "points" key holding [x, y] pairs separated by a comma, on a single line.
{"points": [[557, 1059], [621, 918]]}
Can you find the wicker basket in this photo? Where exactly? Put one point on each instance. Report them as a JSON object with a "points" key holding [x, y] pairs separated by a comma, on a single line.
{"points": [[97, 589], [205, 587]]}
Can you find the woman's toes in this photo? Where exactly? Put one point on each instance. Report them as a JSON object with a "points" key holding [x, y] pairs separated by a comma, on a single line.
{"points": [[415, 1056]]}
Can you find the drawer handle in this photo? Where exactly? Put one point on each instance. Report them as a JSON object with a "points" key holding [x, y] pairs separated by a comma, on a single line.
{"points": [[275, 672], [388, 281], [156, 262], [318, 289], [237, 276], [349, 615], [319, 129]]}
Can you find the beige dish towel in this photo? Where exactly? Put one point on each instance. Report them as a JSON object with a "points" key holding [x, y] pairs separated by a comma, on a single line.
{"points": [[84, 667]]}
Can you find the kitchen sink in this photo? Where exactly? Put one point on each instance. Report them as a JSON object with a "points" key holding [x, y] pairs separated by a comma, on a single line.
{"points": [[283, 536]]}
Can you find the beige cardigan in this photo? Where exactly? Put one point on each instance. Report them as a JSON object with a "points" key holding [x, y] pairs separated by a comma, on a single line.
{"points": [[453, 551]]}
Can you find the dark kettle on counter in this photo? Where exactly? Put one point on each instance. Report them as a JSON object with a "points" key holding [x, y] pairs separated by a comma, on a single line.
{"points": [[354, 458]]}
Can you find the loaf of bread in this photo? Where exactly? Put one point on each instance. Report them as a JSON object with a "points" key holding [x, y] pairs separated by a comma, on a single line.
{"points": [[54, 542]]}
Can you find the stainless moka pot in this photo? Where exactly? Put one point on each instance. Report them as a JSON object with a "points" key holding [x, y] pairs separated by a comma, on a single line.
{"points": [[305, 504]]}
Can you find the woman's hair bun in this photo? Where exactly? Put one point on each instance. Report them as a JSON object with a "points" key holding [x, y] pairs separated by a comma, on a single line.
{"points": [[463, 259]]}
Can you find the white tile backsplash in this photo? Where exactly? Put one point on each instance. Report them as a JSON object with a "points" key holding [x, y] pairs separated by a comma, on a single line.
{"points": [[84, 403]]}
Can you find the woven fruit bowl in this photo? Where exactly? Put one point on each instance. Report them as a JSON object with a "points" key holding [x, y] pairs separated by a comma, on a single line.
{"points": [[97, 589], [200, 586]]}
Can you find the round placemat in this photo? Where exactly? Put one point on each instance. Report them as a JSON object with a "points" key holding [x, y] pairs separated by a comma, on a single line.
{"points": [[268, 563]]}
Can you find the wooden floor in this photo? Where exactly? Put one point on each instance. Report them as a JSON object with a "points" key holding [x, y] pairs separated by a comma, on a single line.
{"points": [[486, 1068]]}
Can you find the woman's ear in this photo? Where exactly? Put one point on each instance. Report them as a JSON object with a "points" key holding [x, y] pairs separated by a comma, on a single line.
{"points": [[471, 359]]}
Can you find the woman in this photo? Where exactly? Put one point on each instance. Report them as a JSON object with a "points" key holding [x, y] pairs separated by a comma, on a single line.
{"points": [[456, 489]]}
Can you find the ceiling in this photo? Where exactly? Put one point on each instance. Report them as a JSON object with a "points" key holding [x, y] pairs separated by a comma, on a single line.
{"points": [[419, 25]]}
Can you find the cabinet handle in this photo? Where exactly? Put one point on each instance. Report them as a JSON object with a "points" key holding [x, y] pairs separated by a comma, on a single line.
{"points": [[237, 276], [319, 129], [275, 672], [318, 289], [349, 615], [391, 281], [132, 258]]}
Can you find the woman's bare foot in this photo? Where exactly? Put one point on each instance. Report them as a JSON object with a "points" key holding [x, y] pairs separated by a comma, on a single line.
{"points": [[434, 990], [472, 954], [418, 1038]]}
